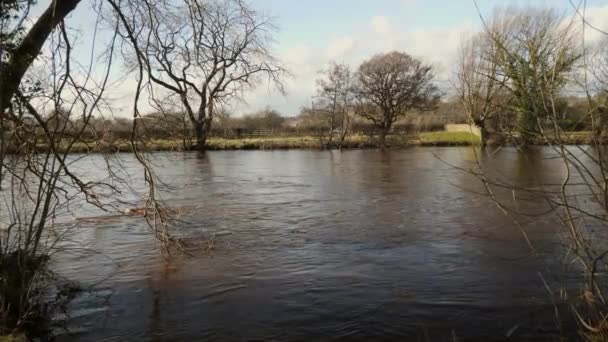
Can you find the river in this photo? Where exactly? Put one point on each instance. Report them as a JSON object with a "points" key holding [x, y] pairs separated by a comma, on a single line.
{"points": [[324, 245]]}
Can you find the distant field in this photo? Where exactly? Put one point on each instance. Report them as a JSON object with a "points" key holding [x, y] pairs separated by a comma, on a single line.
{"points": [[448, 138], [355, 141], [576, 138], [312, 142], [303, 142]]}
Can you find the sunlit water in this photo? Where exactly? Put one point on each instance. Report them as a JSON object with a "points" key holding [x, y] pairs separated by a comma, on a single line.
{"points": [[324, 245]]}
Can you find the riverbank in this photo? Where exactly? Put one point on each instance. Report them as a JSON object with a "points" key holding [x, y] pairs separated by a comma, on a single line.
{"points": [[353, 142], [286, 142], [394, 141]]}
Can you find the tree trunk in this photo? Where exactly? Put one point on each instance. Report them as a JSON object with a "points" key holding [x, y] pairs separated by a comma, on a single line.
{"points": [[481, 124], [2, 149], [185, 134], [23, 56], [344, 132], [386, 128], [331, 130], [526, 123], [601, 127], [484, 136], [202, 130], [201, 137], [383, 133]]}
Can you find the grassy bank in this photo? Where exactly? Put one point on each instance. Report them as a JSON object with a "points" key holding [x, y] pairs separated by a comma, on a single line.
{"points": [[573, 138], [356, 141], [447, 139], [312, 142], [286, 142]]}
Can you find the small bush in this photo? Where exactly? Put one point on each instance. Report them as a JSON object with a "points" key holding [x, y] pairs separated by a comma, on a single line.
{"points": [[27, 300]]}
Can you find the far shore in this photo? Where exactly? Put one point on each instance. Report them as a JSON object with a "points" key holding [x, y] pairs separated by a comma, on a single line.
{"points": [[394, 141], [279, 143]]}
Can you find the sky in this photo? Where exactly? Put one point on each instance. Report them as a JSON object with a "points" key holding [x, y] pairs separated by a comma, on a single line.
{"points": [[313, 33]]}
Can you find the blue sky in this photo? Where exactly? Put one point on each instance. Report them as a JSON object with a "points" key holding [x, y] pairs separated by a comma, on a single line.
{"points": [[316, 19], [314, 32]]}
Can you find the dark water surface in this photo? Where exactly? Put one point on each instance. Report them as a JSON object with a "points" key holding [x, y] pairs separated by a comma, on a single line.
{"points": [[324, 246]]}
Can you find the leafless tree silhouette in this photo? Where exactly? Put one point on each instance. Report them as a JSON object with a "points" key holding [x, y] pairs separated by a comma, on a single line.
{"points": [[334, 99], [389, 85], [205, 53]]}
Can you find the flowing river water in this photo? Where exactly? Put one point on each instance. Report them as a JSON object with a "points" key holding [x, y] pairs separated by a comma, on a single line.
{"points": [[323, 245]]}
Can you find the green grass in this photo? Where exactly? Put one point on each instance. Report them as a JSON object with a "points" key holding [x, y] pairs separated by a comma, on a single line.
{"points": [[268, 143], [355, 141], [448, 139], [282, 142], [313, 142], [13, 338], [576, 138]]}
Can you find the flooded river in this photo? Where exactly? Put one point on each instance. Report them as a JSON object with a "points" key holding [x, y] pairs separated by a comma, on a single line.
{"points": [[323, 245]]}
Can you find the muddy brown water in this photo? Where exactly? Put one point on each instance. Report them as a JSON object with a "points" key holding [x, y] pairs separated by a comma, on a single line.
{"points": [[324, 245]]}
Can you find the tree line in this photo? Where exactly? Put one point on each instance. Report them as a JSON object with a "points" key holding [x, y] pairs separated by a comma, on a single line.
{"points": [[519, 68], [311, 121], [497, 80]]}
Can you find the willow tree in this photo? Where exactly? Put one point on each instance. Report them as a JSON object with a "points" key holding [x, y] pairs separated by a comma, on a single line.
{"points": [[389, 85], [537, 51], [204, 53], [538, 54], [479, 83]]}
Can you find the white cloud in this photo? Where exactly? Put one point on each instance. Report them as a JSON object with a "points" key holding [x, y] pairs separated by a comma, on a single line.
{"points": [[597, 17], [438, 46], [339, 48], [380, 24]]}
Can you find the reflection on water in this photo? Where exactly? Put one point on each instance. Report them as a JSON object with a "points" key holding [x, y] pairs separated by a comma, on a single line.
{"points": [[358, 244]]}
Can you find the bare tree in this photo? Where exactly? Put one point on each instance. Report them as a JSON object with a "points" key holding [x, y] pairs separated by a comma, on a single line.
{"points": [[173, 125], [537, 51], [599, 65], [479, 82], [206, 53], [334, 99], [38, 113], [18, 48], [599, 69], [46, 107], [389, 85], [267, 119]]}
